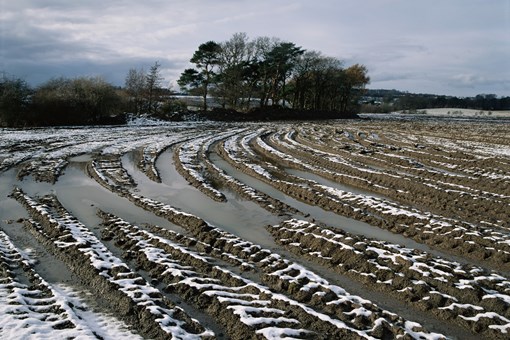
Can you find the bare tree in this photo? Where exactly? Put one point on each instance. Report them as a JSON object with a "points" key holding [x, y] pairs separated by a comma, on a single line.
{"points": [[83, 100], [233, 85], [143, 88], [261, 70], [15, 96], [135, 85], [153, 81]]}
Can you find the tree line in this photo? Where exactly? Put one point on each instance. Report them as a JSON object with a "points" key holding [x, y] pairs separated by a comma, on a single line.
{"points": [[83, 100], [239, 74], [59, 101], [243, 73], [384, 101]]}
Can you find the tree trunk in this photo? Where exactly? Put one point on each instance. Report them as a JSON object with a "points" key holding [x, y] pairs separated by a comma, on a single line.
{"points": [[205, 98]]}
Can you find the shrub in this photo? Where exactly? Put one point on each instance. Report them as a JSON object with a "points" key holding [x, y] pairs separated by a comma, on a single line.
{"points": [[15, 99], [79, 101]]}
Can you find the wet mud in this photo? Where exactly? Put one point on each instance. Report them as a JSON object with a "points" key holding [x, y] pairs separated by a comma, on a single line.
{"points": [[264, 229]]}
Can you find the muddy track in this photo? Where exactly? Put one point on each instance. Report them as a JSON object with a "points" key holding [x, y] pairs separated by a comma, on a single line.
{"points": [[450, 193], [353, 166], [448, 234], [227, 291], [447, 289], [31, 299], [134, 299]]}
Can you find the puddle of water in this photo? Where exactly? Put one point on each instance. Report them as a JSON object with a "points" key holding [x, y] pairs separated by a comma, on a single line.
{"points": [[242, 218], [81, 196], [9, 209], [49, 267], [329, 183], [81, 158]]}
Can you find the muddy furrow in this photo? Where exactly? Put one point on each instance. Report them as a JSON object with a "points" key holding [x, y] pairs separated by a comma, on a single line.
{"points": [[433, 191], [440, 188], [480, 243], [422, 155], [195, 158], [188, 164], [30, 304], [142, 305], [352, 316], [396, 218], [448, 290], [414, 161], [150, 152], [230, 300], [250, 252]]}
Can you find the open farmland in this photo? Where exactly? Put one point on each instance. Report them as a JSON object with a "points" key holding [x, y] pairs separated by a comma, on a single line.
{"points": [[328, 230]]}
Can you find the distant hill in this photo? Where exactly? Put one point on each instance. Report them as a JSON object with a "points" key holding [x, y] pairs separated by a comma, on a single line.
{"points": [[381, 100]]}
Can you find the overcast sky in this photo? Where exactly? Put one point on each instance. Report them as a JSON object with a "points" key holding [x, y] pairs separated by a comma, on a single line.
{"points": [[453, 47]]}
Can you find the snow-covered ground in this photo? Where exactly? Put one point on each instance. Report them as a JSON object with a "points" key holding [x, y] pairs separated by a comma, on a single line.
{"points": [[457, 112]]}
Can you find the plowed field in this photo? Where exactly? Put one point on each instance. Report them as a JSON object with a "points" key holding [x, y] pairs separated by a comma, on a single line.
{"points": [[330, 230]]}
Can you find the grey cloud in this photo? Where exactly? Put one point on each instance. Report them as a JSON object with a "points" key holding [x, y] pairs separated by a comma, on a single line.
{"points": [[114, 72], [470, 80], [417, 46], [384, 77]]}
